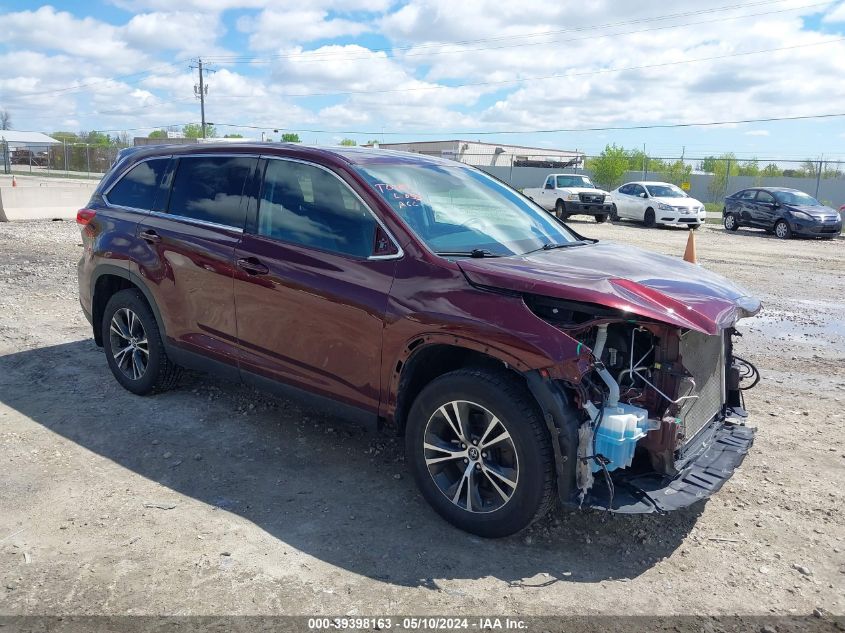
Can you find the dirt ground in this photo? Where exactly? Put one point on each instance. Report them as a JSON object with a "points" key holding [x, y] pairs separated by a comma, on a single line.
{"points": [[215, 499]]}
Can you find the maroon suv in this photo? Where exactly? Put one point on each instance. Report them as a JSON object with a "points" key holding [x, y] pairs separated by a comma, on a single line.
{"points": [[522, 362]]}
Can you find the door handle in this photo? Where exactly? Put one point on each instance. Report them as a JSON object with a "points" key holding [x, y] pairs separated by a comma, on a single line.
{"points": [[252, 266], [150, 236]]}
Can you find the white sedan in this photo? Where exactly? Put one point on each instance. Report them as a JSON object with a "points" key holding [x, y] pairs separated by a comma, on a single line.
{"points": [[654, 203]]}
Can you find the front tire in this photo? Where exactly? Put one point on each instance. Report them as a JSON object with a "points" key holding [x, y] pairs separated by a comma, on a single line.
{"points": [[560, 209], [648, 218], [730, 222], [480, 452], [614, 214], [783, 230], [601, 218], [133, 345]]}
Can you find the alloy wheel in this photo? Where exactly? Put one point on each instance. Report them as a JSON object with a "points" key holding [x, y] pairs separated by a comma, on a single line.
{"points": [[471, 456], [729, 222], [782, 230], [129, 344]]}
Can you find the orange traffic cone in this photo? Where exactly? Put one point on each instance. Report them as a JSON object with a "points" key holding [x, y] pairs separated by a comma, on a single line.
{"points": [[689, 252], [14, 182]]}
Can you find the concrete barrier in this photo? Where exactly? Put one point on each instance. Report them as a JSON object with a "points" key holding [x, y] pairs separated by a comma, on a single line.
{"points": [[59, 202]]}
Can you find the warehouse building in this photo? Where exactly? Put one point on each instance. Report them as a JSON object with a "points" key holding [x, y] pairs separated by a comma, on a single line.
{"points": [[493, 154]]}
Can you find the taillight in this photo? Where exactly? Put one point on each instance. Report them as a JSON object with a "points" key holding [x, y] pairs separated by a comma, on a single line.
{"points": [[84, 216]]}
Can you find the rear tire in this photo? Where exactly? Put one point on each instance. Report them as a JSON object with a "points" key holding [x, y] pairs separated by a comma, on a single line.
{"points": [[782, 230], [134, 347], [730, 222], [648, 218], [466, 484]]}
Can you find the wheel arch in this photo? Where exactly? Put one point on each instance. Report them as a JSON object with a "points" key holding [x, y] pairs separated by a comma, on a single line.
{"points": [[428, 357], [107, 281]]}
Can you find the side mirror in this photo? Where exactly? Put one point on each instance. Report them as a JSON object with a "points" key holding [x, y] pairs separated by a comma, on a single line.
{"points": [[549, 185], [643, 195]]}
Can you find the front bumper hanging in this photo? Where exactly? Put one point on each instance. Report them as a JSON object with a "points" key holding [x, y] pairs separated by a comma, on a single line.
{"points": [[711, 460]]}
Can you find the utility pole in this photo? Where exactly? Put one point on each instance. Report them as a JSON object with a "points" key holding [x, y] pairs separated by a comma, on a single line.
{"points": [[200, 91]]}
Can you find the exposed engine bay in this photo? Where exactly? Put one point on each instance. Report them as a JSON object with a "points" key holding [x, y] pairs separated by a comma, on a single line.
{"points": [[653, 389]]}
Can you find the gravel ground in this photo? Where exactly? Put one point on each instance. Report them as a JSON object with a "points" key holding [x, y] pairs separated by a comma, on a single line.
{"points": [[215, 499]]}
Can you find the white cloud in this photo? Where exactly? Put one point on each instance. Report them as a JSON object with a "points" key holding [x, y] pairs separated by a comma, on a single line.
{"points": [[836, 14], [757, 133], [272, 29]]}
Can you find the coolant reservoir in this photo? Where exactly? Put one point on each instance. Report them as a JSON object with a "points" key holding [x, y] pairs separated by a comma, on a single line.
{"points": [[616, 438]]}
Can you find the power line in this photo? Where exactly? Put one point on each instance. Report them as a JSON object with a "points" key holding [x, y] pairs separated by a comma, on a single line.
{"points": [[334, 57], [544, 131]]}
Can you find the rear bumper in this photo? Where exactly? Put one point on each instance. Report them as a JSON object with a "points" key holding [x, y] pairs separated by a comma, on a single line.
{"points": [[708, 462]]}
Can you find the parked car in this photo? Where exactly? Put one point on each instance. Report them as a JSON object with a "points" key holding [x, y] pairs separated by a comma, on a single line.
{"points": [[571, 194], [656, 203], [784, 212], [522, 361], [21, 156]]}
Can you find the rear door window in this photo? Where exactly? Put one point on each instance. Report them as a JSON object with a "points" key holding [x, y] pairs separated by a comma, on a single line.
{"points": [[139, 187], [307, 205], [211, 189], [748, 194]]}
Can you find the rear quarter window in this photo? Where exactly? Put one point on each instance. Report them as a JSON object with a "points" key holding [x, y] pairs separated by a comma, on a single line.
{"points": [[140, 185]]}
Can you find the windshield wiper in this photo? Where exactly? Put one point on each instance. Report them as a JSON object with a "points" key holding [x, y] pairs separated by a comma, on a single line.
{"points": [[476, 252], [551, 247]]}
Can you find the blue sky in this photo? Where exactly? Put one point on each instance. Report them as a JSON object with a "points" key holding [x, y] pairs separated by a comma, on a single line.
{"points": [[427, 69]]}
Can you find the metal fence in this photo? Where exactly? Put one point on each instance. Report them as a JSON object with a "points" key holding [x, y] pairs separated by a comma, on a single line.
{"points": [[67, 160], [705, 178]]}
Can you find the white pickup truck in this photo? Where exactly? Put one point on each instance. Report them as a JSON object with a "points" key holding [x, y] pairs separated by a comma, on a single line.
{"points": [[571, 194]]}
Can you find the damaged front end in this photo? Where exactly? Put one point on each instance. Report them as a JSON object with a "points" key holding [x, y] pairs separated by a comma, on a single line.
{"points": [[660, 413]]}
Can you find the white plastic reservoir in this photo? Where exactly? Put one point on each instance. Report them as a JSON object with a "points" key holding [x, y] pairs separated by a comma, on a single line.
{"points": [[616, 438]]}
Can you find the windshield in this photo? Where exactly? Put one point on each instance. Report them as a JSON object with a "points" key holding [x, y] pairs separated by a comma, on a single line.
{"points": [[796, 198], [665, 191], [456, 209], [574, 181]]}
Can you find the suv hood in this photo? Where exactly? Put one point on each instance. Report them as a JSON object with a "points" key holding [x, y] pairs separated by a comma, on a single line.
{"points": [[629, 279]]}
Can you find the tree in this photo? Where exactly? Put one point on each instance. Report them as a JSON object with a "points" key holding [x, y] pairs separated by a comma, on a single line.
{"points": [[291, 137], [677, 172], [708, 164], [809, 168], [749, 168], [725, 166], [374, 141], [348, 142], [610, 166], [158, 134], [771, 170], [233, 136], [5, 120], [637, 160], [194, 130], [65, 137]]}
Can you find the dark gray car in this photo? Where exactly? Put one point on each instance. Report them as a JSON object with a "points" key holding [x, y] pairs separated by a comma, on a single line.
{"points": [[784, 212]]}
